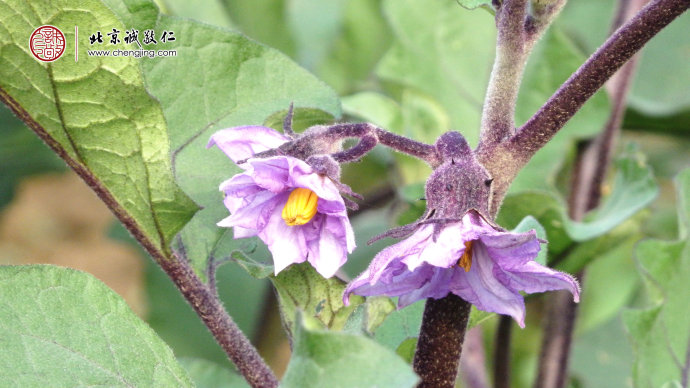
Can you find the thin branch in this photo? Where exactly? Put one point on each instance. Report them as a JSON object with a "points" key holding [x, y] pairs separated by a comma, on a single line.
{"points": [[207, 305], [440, 341], [592, 75], [502, 352], [399, 143]]}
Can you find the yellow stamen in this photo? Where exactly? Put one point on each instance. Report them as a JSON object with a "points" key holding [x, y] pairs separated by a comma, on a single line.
{"points": [[300, 207], [466, 258]]}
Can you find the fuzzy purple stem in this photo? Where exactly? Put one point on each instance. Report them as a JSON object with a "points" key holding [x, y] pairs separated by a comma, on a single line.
{"points": [[399, 143], [209, 308], [592, 75], [498, 116], [440, 341]]}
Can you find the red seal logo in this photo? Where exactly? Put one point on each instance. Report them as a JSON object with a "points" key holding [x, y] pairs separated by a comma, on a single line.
{"points": [[47, 43]]}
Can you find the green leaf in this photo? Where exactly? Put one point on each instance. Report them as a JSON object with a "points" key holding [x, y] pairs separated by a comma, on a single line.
{"points": [[353, 53], [400, 325], [332, 359], [301, 288], [406, 349], [97, 115], [62, 327], [661, 334], [265, 21], [634, 188], [236, 82], [443, 52], [207, 374]]}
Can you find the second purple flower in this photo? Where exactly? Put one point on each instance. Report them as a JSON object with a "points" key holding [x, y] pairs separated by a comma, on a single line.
{"points": [[297, 212]]}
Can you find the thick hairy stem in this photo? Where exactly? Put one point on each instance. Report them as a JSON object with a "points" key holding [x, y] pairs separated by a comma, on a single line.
{"points": [[202, 298], [518, 32], [439, 346], [502, 352], [592, 162], [498, 116]]}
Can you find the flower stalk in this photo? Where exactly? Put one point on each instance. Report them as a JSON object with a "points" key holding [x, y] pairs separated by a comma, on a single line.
{"points": [[440, 341]]}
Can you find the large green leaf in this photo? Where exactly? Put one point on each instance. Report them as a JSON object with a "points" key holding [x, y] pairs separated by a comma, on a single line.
{"points": [[62, 327], [333, 359], [236, 81], [96, 114], [661, 334]]}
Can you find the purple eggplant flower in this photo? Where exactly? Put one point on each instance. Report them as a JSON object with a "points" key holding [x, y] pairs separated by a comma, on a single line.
{"points": [[297, 212], [471, 258]]}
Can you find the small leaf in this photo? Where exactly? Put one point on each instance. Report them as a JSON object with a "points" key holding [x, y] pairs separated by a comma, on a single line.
{"points": [[400, 325], [477, 317], [406, 349], [301, 288], [62, 327], [634, 188], [332, 359]]}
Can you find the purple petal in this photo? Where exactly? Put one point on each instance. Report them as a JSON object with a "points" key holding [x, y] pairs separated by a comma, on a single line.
{"points": [[240, 143], [480, 287], [534, 277], [256, 212], [287, 244]]}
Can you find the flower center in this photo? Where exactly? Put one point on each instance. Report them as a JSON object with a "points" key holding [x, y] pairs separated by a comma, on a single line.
{"points": [[300, 207], [466, 258]]}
